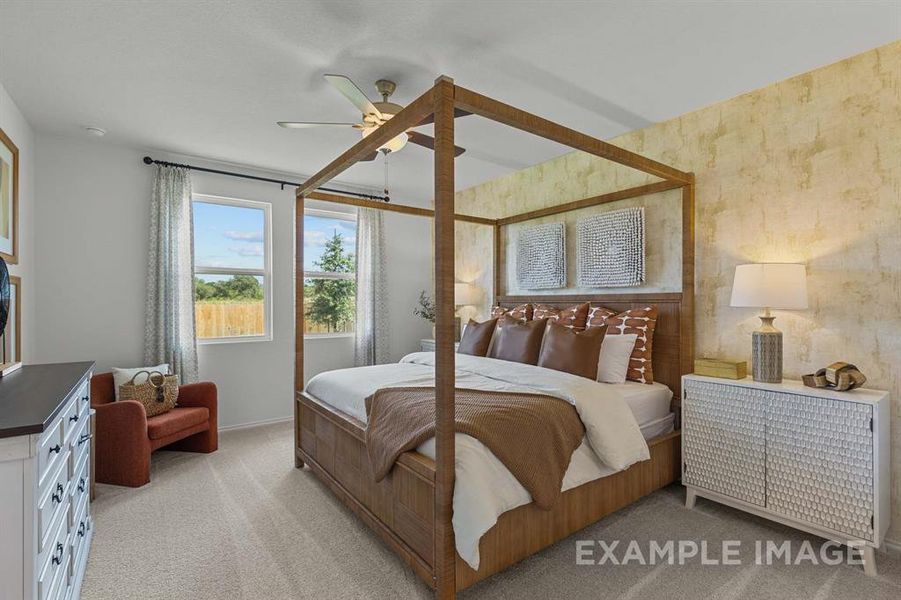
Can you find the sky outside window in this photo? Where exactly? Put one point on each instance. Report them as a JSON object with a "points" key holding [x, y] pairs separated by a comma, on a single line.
{"points": [[318, 230], [228, 236]]}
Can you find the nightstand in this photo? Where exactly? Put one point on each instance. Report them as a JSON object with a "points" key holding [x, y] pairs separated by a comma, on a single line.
{"points": [[811, 458], [428, 345]]}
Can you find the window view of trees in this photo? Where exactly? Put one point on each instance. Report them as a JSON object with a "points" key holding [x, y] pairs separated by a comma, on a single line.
{"points": [[329, 300], [238, 288]]}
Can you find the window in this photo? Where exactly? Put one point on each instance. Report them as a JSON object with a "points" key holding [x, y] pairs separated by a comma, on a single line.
{"points": [[232, 270], [329, 263]]}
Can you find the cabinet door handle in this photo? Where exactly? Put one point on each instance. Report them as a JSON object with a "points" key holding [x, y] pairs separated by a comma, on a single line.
{"points": [[58, 497], [84, 437], [81, 485], [81, 529], [58, 557], [56, 449], [85, 398], [73, 418]]}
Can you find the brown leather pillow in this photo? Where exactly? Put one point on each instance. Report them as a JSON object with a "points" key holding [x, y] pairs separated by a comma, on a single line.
{"points": [[571, 351], [477, 337], [519, 342]]}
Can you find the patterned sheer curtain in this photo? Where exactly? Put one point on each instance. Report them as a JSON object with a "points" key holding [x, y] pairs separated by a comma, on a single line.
{"points": [[371, 337], [169, 334]]}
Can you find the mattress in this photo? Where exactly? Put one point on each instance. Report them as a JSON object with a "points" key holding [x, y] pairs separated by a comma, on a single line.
{"points": [[347, 389]]}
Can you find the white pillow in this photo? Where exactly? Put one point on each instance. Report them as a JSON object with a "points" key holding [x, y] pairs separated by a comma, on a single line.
{"points": [[613, 362], [123, 376]]}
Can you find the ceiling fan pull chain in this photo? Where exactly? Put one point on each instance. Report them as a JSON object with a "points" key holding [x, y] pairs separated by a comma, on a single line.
{"points": [[386, 175]]}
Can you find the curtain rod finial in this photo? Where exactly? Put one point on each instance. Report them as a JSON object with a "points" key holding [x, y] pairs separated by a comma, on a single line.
{"points": [[148, 160]]}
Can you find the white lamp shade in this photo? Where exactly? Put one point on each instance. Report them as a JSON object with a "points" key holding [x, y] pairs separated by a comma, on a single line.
{"points": [[770, 285], [465, 294]]}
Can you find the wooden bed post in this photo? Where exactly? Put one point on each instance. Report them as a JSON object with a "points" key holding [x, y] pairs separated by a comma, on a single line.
{"points": [[445, 549], [298, 323]]}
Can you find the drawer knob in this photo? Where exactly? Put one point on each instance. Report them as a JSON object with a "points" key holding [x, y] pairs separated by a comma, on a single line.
{"points": [[81, 484], [56, 449], [58, 557], [58, 496], [73, 418], [81, 529], [85, 398], [84, 437]]}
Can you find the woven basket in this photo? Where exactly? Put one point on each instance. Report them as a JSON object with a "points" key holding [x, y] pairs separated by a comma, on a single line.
{"points": [[158, 394]]}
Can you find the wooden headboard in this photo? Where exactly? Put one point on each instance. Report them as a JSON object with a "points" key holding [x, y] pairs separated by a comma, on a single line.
{"points": [[672, 351]]}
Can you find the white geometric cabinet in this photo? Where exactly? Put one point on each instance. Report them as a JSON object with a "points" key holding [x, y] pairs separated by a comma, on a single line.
{"points": [[814, 459]]}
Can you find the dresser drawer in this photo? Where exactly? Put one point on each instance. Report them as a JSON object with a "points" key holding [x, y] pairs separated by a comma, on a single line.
{"points": [[78, 535], [83, 397], [69, 418], [54, 562], [51, 449], [79, 488], [80, 444], [52, 504]]}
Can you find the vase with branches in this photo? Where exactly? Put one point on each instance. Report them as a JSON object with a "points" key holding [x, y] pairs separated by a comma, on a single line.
{"points": [[426, 309]]}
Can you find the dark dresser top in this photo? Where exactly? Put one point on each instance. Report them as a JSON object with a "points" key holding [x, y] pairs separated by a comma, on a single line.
{"points": [[32, 396]]}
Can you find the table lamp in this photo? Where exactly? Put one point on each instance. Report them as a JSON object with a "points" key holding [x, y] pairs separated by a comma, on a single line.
{"points": [[465, 294], [767, 286]]}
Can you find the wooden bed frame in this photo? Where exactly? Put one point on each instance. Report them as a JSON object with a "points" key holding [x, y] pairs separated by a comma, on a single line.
{"points": [[412, 508]]}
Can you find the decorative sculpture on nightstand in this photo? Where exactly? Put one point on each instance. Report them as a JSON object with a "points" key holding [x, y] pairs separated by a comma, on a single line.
{"points": [[841, 376], [766, 286]]}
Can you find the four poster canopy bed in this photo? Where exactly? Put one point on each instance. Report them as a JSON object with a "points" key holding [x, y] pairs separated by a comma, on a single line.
{"points": [[412, 508]]}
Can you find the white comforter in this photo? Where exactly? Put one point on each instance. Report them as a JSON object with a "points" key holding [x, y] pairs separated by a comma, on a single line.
{"points": [[485, 488]]}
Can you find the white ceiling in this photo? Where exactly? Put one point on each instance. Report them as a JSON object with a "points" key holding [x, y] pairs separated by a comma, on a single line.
{"points": [[210, 78]]}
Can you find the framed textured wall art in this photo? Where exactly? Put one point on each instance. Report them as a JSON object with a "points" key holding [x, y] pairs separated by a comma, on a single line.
{"points": [[9, 199], [611, 249], [541, 257]]}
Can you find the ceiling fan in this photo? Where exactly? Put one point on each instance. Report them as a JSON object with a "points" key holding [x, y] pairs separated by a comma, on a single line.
{"points": [[375, 114]]}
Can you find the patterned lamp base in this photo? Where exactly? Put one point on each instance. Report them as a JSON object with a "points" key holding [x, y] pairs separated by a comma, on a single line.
{"points": [[766, 352]]}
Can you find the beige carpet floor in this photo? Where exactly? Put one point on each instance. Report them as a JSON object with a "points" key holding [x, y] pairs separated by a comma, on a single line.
{"points": [[243, 523]]}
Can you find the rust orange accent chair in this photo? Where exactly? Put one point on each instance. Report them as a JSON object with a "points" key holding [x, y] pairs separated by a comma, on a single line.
{"points": [[125, 436]]}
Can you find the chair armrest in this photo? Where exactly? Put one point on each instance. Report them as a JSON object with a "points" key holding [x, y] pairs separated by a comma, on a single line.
{"points": [[203, 394], [122, 420]]}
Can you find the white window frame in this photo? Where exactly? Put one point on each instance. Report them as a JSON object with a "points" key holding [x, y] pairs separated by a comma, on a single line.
{"points": [[265, 272], [329, 214]]}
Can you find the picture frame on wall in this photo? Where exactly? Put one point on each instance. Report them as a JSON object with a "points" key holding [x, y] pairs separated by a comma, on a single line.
{"points": [[12, 335], [9, 199]]}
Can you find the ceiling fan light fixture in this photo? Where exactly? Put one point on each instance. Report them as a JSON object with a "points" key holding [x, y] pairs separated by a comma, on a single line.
{"points": [[392, 145]]}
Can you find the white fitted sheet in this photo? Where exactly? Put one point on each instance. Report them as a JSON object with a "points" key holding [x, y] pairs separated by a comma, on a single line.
{"points": [[485, 488]]}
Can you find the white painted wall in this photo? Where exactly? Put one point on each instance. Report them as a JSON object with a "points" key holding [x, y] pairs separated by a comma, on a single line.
{"points": [[20, 132], [92, 219]]}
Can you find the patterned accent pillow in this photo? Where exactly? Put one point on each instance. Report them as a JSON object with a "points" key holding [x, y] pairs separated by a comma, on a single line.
{"points": [[597, 316], [523, 312], [640, 321], [573, 317]]}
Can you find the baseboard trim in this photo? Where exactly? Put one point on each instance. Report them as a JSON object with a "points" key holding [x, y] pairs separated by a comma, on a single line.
{"points": [[892, 546], [256, 423]]}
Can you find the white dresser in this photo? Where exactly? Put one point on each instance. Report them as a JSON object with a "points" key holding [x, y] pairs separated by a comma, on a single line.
{"points": [[815, 459], [45, 464]]}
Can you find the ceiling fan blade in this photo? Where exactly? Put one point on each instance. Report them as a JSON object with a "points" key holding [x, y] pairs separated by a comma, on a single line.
{"points": [[353, 93], [427, 141], [308, 124], [458, 112], [372, 156]]}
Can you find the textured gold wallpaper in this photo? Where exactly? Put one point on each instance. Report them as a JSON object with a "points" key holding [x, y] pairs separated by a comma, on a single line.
{"points": [[805, 170]]}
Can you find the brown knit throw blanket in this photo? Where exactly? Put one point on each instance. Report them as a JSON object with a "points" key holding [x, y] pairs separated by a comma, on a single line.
{"points": [[533, 435]]}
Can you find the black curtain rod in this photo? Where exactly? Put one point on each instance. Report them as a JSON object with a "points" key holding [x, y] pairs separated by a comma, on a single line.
{"points": [[150, 161]]}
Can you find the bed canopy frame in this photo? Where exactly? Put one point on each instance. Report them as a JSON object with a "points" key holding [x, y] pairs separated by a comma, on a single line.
{"points": [[441, 104]]}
